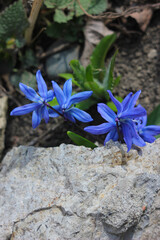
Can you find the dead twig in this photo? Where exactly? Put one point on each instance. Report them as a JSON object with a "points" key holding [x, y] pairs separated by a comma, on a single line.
{"points": [[54, 50], [111, 15]]}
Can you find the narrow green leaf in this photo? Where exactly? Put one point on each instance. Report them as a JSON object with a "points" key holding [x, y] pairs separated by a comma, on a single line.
{"points": [[111, 104], [53, 102], [89, 73], [80, 141], [154, 117], [86, 104], [79, 73], [99, 53], [68, 76], [108, 81], [96, 88]]}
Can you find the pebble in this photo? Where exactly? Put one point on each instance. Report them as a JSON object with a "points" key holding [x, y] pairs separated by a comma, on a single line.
{"points": [[59, 62], [152, 53]]}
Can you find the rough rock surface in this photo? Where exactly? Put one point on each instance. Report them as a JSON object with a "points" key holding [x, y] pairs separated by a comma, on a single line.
{"points": [[71, 192], [3, 121]]}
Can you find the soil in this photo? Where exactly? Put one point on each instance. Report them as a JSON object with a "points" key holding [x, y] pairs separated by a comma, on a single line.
{"points": [[138, 63]]}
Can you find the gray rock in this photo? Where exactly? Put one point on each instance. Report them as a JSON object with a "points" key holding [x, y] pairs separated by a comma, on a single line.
{"points": [[3, 121], [71, 192], [152, 54], [59, 62]]}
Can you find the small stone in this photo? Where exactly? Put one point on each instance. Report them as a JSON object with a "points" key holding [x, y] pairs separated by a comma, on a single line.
{"points": [[59, 62], [152, 53]]}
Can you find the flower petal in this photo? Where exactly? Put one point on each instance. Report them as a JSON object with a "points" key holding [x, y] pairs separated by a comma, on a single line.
{"points": [[80, 115], [36, 117], [70, 117], [25, 109], [50, 95], [78, 97], [116, 102], [113, 134], [42, 87], [58, 93], [134, 113], [134, 99], [106, 112], [127, 136], [54, 114], [100, 129], [45, 114], [126, 101], [67, 88], [30, 93], [152, 130], [147, 138]]}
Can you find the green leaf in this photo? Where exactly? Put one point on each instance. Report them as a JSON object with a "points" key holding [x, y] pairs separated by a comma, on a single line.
{"points": [[108, 81], [26, 77], [97, 6], [89, 73], [53, 102], [13, 21], [68, 76], [111, 104], [154, 117], [79, 73], [86, 104], [99, 53], [57, 3], [80, 141], [61, 17], [96, 88]]}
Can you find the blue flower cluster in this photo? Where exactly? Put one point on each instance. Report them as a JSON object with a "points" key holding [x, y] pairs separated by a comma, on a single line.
{"points": [[40, 100], [128, 125]]}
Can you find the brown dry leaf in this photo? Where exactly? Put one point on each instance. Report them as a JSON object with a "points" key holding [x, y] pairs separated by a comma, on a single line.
{"points": [[143, 18], [94, 31]]}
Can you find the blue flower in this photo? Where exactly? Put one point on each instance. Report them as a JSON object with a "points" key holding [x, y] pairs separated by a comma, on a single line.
{"points": [[38, 107], [66, 101], [147, 133], [120, 126]]}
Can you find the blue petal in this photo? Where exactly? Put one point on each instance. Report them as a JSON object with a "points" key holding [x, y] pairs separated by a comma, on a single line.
{"points": [[127, 136], [151, 130], [106, 112], [67, 88], [59, 94], [50, 95], [134, 99], [42, 87], [54, 114], [147, 138], [36, 117], [100, 129], [138, 141], [113, 134], [141, 122], [78, 97], [30, 93], [80, 115], [25, 109], [126, 101], [134, 113], [116, 102], [45, 114], [70, 117]]}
